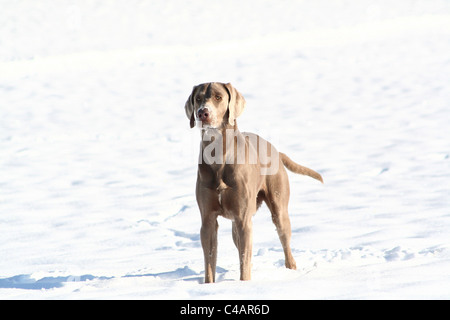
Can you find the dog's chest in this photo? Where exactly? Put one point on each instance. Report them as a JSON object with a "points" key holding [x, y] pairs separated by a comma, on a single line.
{"points": [[221, 180], [217, 177]]}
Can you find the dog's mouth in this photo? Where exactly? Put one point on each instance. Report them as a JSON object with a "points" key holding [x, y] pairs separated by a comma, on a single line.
{"points": [[204, 124], [205, 117], [198, 123]]}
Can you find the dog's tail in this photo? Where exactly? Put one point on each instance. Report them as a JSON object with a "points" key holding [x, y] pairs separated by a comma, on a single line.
{"points": [[296, 168]]}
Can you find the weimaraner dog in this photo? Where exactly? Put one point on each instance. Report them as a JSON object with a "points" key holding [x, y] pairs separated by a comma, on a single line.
{"points": [[237, 171]]}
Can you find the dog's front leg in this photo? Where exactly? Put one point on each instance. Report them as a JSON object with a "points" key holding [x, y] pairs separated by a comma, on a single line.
{"points": [[208, 235], [244, 241]]}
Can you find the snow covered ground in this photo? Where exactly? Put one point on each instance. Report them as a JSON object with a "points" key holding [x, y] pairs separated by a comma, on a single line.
{"points": [[98, 163]]}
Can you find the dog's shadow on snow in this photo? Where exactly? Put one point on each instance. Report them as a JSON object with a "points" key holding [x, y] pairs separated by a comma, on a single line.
{"points": [[184, 274], [26, 281]]}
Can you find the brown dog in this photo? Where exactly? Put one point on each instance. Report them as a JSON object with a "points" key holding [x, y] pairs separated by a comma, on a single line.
{"points": [[236, 172]]}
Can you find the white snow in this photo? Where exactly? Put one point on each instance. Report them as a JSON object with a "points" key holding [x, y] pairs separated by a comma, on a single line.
{"points": [[98, 163]]}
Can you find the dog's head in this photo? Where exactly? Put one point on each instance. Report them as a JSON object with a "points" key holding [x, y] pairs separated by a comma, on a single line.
{"points": [[214, 104]]}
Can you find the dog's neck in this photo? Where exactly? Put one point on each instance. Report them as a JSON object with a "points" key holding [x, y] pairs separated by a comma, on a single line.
{"points": [[222, 130], [216, 142]]}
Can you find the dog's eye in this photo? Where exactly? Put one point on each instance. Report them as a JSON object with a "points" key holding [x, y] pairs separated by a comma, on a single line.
{"points": [[198, 99], [218, 98]]}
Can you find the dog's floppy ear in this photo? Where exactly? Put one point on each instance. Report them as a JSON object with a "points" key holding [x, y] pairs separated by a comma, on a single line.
{"points": [[189, 108], [236, 103]]}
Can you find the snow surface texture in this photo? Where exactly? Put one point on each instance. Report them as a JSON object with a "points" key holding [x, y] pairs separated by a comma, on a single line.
{"points": [[98, 163]]}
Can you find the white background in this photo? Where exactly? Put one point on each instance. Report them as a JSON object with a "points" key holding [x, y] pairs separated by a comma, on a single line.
{"points": [[98, 163]]}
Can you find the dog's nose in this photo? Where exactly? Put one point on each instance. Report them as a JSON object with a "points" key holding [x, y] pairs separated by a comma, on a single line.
{"points": [[203, 114]]}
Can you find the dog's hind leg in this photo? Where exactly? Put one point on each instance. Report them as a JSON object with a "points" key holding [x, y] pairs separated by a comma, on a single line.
{"points": [[277, 200]]}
